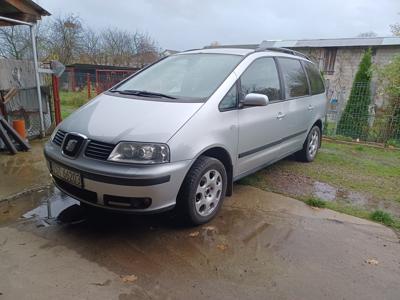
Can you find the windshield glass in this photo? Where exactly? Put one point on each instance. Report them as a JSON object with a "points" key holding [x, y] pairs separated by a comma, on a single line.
{"points": [[191, 76]]}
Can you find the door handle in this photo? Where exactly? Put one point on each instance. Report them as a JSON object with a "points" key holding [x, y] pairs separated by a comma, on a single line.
{"points": [[280, 116], [310, 107]]}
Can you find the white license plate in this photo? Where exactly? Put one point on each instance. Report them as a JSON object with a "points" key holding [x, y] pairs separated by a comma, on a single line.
{"points": [[65, 174]]}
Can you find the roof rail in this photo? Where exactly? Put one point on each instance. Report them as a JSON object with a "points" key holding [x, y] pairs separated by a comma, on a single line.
{"points": [[283, 50]]}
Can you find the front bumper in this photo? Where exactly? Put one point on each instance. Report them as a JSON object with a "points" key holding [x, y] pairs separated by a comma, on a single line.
{"points": [[123, 183]]}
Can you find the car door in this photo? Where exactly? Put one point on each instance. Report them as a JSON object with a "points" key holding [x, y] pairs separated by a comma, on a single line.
{"points": [[260, 127], [298, 108]]}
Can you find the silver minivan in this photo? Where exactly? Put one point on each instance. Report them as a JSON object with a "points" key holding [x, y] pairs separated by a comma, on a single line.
{"points": [[177, 134]]}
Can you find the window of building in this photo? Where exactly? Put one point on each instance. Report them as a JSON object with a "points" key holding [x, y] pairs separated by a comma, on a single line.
{"points": [[329, 60]]}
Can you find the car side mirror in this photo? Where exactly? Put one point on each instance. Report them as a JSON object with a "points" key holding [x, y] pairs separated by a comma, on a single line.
{"points": [[254, 99]]}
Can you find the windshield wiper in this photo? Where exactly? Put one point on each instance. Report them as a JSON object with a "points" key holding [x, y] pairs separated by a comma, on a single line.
{"points": [[143, 93]]}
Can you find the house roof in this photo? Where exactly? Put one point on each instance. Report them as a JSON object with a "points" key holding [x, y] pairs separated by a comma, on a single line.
{"points": [[21, 10], [343, 42], [83, 67], [320, 43]]}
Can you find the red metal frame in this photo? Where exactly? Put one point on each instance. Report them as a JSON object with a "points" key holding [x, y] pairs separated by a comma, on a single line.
{"points": [[102, 85], [56, 98]]}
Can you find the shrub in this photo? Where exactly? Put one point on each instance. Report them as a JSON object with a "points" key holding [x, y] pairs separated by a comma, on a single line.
{"points": [[354, 120], [389, 76]]}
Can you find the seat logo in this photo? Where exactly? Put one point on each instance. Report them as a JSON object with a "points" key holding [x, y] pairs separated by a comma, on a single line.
{"points": [[70, 147]]}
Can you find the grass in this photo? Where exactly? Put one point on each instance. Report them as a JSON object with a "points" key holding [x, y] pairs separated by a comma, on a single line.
{"points": [[382, 217], [315, 202], [71, 101], [378, 216], [359, 168], [369, 171]]}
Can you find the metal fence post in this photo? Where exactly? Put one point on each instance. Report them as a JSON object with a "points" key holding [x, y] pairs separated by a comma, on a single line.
{"points": [[88, 85], [36, 66], [56, 96]]}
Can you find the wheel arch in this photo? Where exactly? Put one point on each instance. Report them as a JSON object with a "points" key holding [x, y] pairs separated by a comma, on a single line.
{"points": [[220, 153]]}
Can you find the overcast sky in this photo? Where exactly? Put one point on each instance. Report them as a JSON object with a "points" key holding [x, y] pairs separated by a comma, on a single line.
{"points": [[185, 24]]}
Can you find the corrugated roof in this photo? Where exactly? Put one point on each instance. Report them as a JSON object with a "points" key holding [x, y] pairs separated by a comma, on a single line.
{"points": [[344, 42]]}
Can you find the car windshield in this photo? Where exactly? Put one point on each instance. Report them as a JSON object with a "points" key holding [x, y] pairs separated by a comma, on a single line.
{"points": [[184, 76]]}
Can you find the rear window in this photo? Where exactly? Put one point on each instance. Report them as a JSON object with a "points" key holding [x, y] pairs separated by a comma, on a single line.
{"points": [[314, 76], [296, 84]]}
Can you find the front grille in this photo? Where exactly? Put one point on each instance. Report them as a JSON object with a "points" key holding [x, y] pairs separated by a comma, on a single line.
{"points": [[75, 191], [99, 150], [59, 137]]}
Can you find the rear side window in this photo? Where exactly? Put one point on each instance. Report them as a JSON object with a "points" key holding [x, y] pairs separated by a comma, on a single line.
{"points": [[261, 77], [314, 76], [296, 84]]}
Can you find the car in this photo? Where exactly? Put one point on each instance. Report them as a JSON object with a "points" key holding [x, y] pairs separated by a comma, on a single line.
{"points": [[178, 134]]}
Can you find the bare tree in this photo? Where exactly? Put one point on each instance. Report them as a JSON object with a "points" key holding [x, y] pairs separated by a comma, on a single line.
{"points": [[64, 38], [91, 47], [14, 42], [395, 29]]}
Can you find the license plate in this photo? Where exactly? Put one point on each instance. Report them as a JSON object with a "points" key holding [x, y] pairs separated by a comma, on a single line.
{"points": [[67, 175]]}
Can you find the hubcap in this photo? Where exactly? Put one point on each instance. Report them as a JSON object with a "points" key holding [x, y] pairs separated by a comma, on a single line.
{"points": [[208, 192], [313, 143]]}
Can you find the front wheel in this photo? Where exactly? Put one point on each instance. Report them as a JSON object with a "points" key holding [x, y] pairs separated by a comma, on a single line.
{"points": [[311, 145], [203, 190]]}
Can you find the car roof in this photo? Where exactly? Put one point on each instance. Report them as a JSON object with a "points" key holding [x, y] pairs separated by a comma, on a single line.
{"points": [[244, 52]]}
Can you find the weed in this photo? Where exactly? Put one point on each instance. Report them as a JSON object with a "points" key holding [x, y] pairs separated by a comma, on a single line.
{"points": [[382, 217], [316, 202]]}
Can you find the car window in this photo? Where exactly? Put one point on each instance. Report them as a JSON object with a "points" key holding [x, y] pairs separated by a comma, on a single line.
{"points": [[314, 76], [185, 76], [296, 84], [230, 99], [261, 77]]}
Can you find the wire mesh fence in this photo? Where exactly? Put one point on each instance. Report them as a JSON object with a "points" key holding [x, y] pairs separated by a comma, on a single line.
{"points": [[356, 118], [359, 118], [76, 88], [17, 78]]}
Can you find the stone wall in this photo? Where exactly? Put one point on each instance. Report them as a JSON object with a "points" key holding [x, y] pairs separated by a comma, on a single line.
{"points": [[346, 65]]}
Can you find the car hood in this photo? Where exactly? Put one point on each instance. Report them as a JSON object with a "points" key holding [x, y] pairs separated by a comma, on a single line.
{"points": [[112, 119]]}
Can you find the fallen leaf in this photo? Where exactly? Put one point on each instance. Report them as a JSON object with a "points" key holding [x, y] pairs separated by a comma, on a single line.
{"points": [[105, 283], [222, 247], [372, 261], [209, 228], [129, 278], [194, 234]]}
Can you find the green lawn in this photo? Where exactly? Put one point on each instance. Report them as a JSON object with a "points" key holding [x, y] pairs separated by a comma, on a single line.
{"points": [[70, 101], [354, 179]]}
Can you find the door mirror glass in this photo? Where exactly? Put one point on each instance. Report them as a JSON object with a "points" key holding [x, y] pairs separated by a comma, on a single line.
{"points": [[254, 99]]}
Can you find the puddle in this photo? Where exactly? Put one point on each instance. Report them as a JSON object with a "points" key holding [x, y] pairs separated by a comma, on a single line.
{"points": [[324, 191], [54, 204], [35, 205]]}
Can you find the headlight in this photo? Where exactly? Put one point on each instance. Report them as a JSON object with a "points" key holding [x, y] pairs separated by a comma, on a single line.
{"points": [[140, 153]]}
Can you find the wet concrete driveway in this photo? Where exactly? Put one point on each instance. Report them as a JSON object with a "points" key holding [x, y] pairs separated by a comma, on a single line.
{"points": [[261, 246]]}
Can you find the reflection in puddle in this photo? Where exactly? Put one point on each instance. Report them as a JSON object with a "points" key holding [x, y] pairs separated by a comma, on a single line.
{"points": [[57, 201]]}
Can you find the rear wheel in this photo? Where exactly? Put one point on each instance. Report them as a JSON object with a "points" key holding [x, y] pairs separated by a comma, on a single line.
{"points": [[202, 191], [311, 145]]}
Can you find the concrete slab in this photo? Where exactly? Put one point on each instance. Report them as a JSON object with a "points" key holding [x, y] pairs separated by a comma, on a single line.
{"points": [[260, 246], [23, 172]]}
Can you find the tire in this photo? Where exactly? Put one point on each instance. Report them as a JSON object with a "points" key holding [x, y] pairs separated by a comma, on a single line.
{"points": [[202, 192], [310, 146]]}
